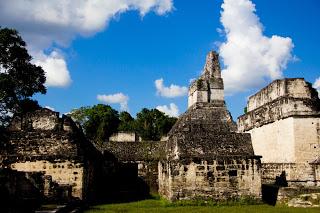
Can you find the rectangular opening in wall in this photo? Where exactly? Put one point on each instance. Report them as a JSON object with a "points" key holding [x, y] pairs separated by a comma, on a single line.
{"points": [[233, 173]]}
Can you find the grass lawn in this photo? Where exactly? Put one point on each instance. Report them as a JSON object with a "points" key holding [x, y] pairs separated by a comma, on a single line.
{"points": [[158, 205]]}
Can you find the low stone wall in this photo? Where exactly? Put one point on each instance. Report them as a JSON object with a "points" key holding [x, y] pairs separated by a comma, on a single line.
{"points": [[140, 151], [302, 174], [287, 193], [124, 137], [217, 179]]}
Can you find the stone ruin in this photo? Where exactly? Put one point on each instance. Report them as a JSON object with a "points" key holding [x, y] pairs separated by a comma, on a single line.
{"points": [[54, 147], [205, 157], [284, 122]]}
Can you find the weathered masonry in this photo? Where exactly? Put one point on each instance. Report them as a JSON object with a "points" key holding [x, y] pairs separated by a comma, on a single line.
{"points": [[284, 122], [137, 162], [205, 156], [41, 142]]}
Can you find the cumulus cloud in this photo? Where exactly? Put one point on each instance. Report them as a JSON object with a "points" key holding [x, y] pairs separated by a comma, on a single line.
{"points": [[172, 110], [55, 68], [170, 92], [250, 58], [118, 98], [316, 85], [44, 24]]}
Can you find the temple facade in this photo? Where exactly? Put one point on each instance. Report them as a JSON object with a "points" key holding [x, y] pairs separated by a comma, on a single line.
{"points": [[284, 122], [205, 157]]}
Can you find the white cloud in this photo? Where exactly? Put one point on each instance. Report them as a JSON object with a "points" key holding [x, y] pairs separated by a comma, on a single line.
{"points": [[51, 108], [44, 24], [55, 68], [251, 58], [172, 110], [316, 85], [118, 98], [170, 92]]}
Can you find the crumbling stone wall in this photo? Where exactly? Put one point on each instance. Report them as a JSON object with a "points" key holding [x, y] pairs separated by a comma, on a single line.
{"points": [[290, 87], [209, 87], [149, 172], [43, 142], [221, 179], [61, 172], [284, 122], [145, 154]]}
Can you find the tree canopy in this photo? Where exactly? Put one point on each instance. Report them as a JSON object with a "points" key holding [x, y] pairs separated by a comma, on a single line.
{"points": [[100, 121], [19, 78], [153, 124], [127, 123]]}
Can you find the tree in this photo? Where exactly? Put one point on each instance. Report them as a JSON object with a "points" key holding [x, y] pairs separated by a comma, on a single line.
{"points": [[127, 123], [99, 122], [19, 78], [153, 124], [80, 115]]}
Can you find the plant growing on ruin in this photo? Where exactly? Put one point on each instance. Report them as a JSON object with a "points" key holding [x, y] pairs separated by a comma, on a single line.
{"points": [[19, 78], [199, 83]]}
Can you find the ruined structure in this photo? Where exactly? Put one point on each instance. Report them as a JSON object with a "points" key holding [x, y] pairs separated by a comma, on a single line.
{"points": [[138, 161], [284, 122], [41, 142], [205, 157]]}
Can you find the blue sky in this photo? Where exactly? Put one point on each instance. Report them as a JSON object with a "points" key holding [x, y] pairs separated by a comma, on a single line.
{"points": [[129, 49]]}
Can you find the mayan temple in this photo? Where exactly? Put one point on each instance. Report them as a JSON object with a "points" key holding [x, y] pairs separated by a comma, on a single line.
{"points": [[205, 156], [271, 154], [284, 122]]}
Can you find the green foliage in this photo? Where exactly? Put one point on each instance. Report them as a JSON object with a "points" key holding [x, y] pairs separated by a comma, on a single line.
{"points": [[80, 115], [153, 124], [199, 83], [245, 110], [99, 122], [19, 78], [127, 123]]}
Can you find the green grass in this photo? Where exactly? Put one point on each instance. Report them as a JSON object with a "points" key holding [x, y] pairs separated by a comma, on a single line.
{"points": [[159, 205]]}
